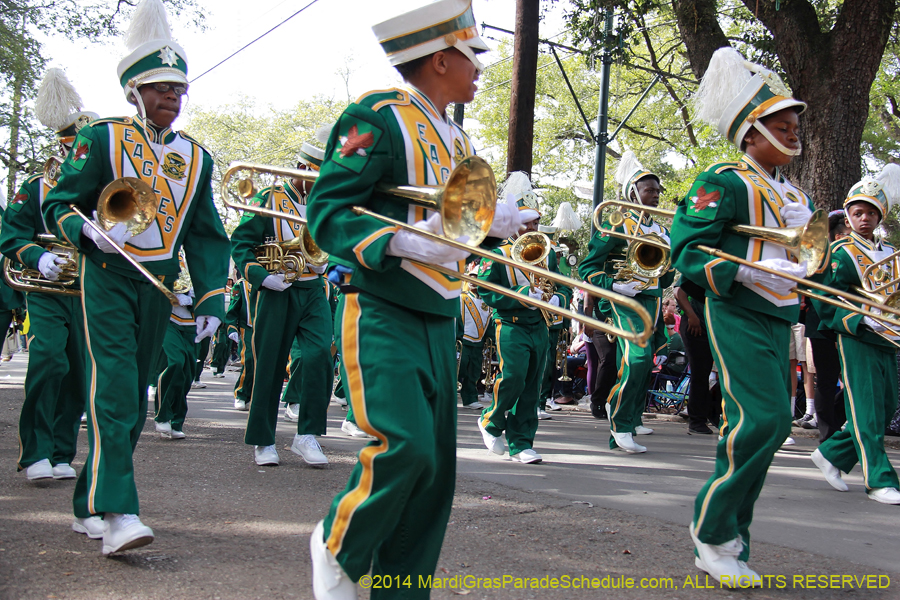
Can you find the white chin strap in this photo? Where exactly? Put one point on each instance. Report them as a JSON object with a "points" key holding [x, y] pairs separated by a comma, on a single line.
{"points": [[781, 147], [464, 48]]}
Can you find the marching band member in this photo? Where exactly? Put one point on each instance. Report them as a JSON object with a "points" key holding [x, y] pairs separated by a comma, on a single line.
{"points": [[124, 314], [392, 515], [473, 327], [748, 312], [285, 312], [239, 321], [627, 399], [54, 383], [522, 338], [868, 360]]}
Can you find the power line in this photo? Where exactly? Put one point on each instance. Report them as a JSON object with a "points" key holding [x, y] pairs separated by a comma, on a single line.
{"points": [[235, 53]]}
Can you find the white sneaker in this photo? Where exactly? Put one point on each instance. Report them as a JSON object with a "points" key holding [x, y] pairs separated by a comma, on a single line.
{"points": [[240, 405], [339, 401], [832, 473], [474, 405], [83, 419], [885, 495], [641, 430], [494, 444], [330, 582], [308, 447], [197, 385], [124, 532], [788, 442], [64, 471], [721, 561], [92, 526], [178, 435], [39, 470], [266, 455], [543, 415], [164, 429], [552, 405], [527, 456], [292, 413], [351, 429], [151, 393], [219, 375], [626, 442]]}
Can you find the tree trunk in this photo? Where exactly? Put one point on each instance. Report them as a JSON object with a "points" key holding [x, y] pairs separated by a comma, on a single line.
{"points": [[14, 122], [524, 84], [698, 22]]}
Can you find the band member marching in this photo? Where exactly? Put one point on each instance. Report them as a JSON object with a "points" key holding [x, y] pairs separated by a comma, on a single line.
{"points": [[285, 311], [627, 398], [125, 314], [867, 351], [239, 323], [392, 515], [522, 338], [474, 326], [54, 384], [748, 311]]}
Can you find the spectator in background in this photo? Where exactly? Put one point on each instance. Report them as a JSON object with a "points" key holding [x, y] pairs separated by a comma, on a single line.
{"points": [[701, 408]]}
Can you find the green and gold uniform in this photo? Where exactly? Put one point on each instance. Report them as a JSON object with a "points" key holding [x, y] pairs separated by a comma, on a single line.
{"points": [[291, 393], [176, 368], [54, 383], [221, 351], [743, 320], [396, 315], [522, 343], [558, 325], [125, 316], [298, 313], [239, 318], [628, 397], [474, 324], [868, 366]]}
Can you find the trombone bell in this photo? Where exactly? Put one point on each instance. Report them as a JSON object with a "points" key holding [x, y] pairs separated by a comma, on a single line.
{"points": [[127, 200]]}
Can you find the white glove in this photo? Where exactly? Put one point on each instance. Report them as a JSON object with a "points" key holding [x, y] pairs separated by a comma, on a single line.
{"points": [[554, 300], [779, 285], [536, 293], [184, 300], [407, 244], [206, 327], [627, 289], [48, 265], [119, 234], [234, 337], [507, 220], [318, 270], [276, 282], [795, 214]]}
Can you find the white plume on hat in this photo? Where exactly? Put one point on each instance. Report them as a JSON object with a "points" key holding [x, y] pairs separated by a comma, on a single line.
{"points": [[725, 77], [890, 180], [566, 218], [628, 166], [518, 187], [148, 22], [323, 132], [56, 100]]}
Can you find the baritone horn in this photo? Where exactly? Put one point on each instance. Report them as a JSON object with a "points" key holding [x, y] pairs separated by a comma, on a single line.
{"points": [[25, 279]]}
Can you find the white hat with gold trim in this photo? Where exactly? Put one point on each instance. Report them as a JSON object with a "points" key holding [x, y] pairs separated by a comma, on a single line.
{"points": [[155, 57], [882, 191], [735, 94], [426, 30]]}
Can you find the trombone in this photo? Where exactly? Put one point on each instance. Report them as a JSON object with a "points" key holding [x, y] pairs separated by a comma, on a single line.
{"points": [[533, 248], [466, 203], [883, 275]]}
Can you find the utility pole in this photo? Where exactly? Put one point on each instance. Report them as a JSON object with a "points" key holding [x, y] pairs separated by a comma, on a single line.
{"points": [[524, 84], [603, 116]]}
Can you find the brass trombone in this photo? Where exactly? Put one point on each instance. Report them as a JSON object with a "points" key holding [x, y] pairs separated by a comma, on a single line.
{"points": [[562, 355], [883, 274], [533, 248], [466, 203], [487, 363], [31, 280]]}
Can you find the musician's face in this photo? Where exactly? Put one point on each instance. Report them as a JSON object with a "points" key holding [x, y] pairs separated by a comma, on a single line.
{"points": [[304, 186], [531, 226], [784, 125], [460, 75], [162, 107], [863, 218], [648, 189]]}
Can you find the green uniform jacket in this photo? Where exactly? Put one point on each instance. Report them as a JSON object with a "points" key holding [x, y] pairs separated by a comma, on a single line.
{"points": [[510, 308], [255, 229], [394, 137], [22, 223], [849, 258], [474, 324], [734, 193], [107, 149], [598, 267], [10, 299], [240, 310]]}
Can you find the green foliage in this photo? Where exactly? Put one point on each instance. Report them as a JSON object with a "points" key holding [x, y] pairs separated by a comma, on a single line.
{"points": [[245, 132]]}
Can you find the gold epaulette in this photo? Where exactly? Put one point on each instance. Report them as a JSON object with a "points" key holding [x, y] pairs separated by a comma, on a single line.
{"points": [[718, 168], [116, 120], [391, 97], [33, 178]]}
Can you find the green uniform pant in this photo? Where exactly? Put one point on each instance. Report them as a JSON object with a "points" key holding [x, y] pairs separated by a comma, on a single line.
{"points": [[521, 350], [201, 352], [470, 370], [281, 317], [221, 351], [393, 513], [291, 393], [870, 397], [54, 384], [174, 381], [339, 391], [628, 397], [243, 387], [125, 323], [751, 352]]}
